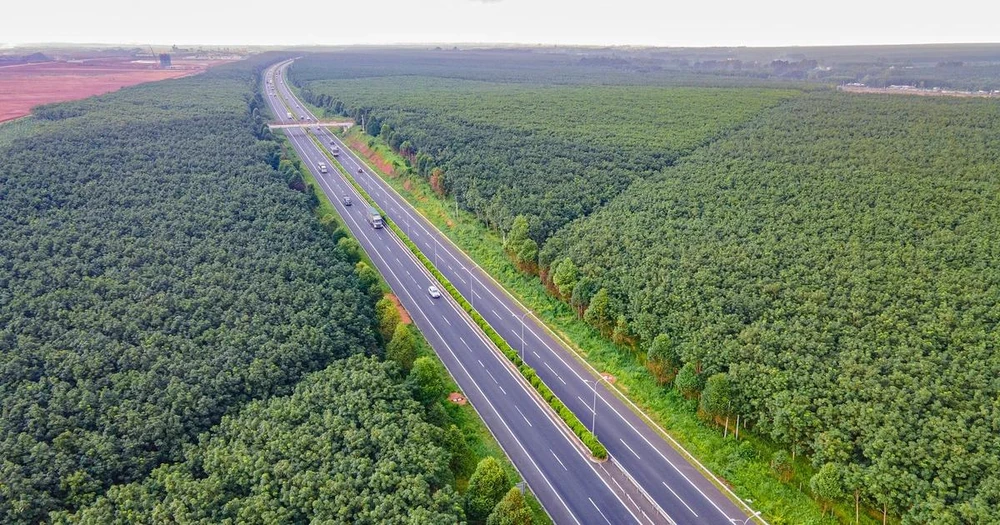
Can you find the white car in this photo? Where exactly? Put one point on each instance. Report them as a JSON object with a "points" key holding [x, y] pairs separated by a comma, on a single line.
{"points": [[435, 293]]}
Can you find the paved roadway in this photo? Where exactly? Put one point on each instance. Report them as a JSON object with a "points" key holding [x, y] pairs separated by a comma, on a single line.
{"points": [[681, 492], [571, 487]]}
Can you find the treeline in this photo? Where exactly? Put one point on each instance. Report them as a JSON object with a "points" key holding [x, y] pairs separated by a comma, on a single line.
{"points": [[156, 274], [827, 276], [551, 153]]}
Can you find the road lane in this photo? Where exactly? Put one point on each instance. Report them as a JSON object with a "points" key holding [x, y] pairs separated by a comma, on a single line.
{"points": [[664, 473], [521, 423]]}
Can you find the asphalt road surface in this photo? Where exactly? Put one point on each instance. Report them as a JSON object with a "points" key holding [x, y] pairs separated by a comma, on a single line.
{"points": [[646, 480]]}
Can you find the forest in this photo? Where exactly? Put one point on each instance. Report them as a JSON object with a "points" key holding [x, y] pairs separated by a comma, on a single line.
{"points": [[817, 267], [177, 329], [832, 267], [551, 152], [347, 446]]}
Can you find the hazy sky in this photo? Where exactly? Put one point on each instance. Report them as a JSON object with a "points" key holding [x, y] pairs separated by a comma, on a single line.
{"points": [[619, 22]]}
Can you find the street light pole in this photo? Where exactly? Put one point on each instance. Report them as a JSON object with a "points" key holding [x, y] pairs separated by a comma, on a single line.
{"points": [[593, 410]]}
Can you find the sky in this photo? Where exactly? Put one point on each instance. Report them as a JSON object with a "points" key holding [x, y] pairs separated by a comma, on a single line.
{"points": [[561, 22]]}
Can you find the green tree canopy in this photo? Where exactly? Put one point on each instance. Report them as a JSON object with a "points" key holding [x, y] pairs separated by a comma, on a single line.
{"points": [[403, 347], [511, 510], [487, 487]]}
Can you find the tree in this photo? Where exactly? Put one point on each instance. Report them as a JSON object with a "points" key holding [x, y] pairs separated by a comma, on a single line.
{"points": [[425, 380], [486, 488], [598, 314], [688, 381], [622, 334], [351, 248], [387, 316], [781, 464], [522, 248], [518, 233], [583, 292], [565, 276], [827, 485], [527, 256], [370, 280], [662, 359], [511, 510], [403, 347], [717, 398], [461, 456]]}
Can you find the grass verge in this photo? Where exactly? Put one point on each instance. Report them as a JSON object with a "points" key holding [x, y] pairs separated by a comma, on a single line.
{"points": [[744, 464]]}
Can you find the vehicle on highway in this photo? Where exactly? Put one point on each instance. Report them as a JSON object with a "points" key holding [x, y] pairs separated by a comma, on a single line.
{"points": [[335, 151], [374, 218], [289, 114], [433, 290], [360, 171], [347, 200], [322, 167]]}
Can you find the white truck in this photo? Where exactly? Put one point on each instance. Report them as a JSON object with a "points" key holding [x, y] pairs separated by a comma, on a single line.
{"points": [[289, 114], [335, 151], [374, 218], [322, 167]]}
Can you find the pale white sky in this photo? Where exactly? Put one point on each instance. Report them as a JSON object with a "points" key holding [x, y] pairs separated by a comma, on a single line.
{"points": [[611, 22]]}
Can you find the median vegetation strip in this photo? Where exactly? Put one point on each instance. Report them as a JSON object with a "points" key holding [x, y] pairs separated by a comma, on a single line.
{"points": [[595, 447]]}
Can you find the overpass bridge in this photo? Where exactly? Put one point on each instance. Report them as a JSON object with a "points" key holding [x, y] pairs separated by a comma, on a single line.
{"points": [[325, 123]]}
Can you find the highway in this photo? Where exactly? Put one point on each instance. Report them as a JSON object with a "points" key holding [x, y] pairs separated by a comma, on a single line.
{"points": [[680, 492], [571, 487]]}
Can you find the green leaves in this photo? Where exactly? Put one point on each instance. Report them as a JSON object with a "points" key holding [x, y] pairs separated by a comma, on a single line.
{"points": [[487, 487], [157, 273], [347, 445]]}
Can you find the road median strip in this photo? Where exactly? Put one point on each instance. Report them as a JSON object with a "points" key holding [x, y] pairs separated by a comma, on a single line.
{"points": [[589, 440]]}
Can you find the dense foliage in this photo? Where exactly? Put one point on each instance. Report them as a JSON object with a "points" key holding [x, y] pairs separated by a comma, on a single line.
{"points": [[550, 152], [830, 274], [348, 446], [156, 273]]}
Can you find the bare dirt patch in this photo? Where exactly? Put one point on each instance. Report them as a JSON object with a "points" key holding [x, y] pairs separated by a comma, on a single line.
{"points": [[372, 156], [457, 398], [404, 317], [25, 86]]}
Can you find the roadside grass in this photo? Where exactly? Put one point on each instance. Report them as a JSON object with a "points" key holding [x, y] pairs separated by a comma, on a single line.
{"points": [[478, 437], [744, 465]]}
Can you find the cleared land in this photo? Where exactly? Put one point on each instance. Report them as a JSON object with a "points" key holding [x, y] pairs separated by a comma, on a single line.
{"points": [[23, 87]]}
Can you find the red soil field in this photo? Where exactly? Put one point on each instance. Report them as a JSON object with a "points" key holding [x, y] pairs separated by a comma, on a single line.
{"points": [[23, 87]]}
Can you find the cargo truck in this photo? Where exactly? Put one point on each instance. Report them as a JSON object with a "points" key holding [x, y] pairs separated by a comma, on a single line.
{"points": [[335, 151], [374, 218]]}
